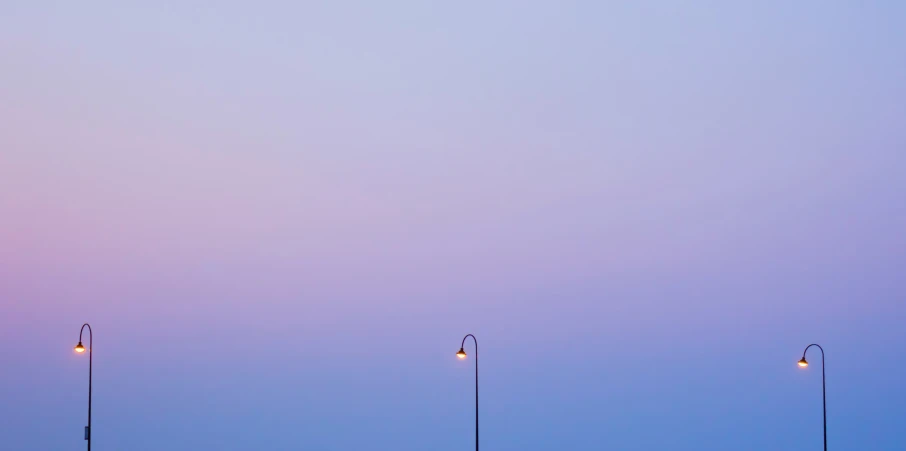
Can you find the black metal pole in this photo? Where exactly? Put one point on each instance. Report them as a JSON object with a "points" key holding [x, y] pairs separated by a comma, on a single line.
{"points": [[476, 383], [90, 345], [823, 388], [824, 397]]}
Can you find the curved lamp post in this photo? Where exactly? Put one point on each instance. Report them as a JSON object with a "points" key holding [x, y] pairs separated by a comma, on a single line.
{"points": [[80, 349], [804, 363], [462, 355]]}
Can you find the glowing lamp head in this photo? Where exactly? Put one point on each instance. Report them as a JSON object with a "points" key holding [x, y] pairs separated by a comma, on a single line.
{"points": [[803, 363], [461, 354], [79, 348]]}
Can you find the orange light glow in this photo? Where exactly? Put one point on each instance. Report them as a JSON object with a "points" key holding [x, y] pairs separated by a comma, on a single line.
{"points": [[79, 348], [803, 363], [461, 354]]}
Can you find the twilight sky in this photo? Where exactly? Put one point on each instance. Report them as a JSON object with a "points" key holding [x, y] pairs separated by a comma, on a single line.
{"points": [[282, 217]]}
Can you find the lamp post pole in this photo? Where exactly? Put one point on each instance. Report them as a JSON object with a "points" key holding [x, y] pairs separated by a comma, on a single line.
{"points": [[462, 355], [804, 363], [80, 349]]}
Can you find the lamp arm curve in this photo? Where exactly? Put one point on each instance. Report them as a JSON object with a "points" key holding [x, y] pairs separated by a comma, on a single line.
{"points": [[473, 339], [90, 334], [819, 347]]}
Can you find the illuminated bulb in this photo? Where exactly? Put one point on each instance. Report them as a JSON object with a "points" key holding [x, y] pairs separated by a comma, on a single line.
{"points": [[461, 354], [803, 363], [79, 348]]}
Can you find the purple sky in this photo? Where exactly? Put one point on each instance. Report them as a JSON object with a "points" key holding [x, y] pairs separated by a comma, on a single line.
{"points": [[281, 218]]}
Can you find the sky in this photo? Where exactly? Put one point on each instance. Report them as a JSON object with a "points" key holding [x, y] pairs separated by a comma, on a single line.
{"points": [[280, 219]]}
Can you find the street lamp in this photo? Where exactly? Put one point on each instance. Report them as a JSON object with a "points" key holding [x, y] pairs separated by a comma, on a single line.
{"points": [[81, 349], [804, 364], [462, 355]]}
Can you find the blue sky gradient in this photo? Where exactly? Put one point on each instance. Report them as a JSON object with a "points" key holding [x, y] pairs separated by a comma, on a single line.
{"points": [[282, 217]]}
